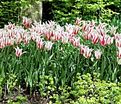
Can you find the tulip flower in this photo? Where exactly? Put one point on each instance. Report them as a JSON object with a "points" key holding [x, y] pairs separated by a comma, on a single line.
{"points": [[39, 43], [87, 52], [78, 21], [76, 30], [118, 43], [18, 52], [75, 41], [48, 45], [119, 52], [103, 41], [82, 48], [65, 39], [85, 26], [49, 34], [94, 38], [110, 40], [56, 36], [10, 26], [97, 54], [2, 44], [117, 36], [86, 36], [27, 22], [101, 29]]}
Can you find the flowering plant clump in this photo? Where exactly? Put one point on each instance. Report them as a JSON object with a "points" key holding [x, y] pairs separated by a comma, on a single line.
{"points": [[62, 51]]}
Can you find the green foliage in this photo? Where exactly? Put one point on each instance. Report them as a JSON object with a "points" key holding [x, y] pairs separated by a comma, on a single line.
{"points": [[27, 5], [91, 90], [68, 10], [46, 85], [54, 71], [20, 99], [62, 62], [9, 11], [9, 89], [11, 82], [1, 85], [86, 89]]}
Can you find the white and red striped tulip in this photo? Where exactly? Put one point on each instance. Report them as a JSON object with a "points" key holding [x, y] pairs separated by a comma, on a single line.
{"points": [[39, 43], [75, 41], [87, 52], [95, 38], [118, 42], [48, 45], [27, 22], [97, 54], [18, 52], [103, 41], [119, 52]]}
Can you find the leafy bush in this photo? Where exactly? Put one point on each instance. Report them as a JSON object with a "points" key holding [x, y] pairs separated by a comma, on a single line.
{"points": [[88, 89], [9, 11], [91, 90], [68, 10]]}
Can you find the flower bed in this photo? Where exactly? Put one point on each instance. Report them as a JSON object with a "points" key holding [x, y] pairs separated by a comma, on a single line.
{"points": [[37, 49]]}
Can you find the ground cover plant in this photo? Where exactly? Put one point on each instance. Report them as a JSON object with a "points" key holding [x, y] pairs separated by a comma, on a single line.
{"points": [[47, 56]]}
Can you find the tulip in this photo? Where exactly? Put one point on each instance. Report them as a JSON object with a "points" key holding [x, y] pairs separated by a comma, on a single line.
{"points": [[118, 43], [76, 30], [117, 36], [48, 45], [10, 26], [39, 43], [101, 29], [87, 52], [65, 39], [78, 21], [119, 52], [103, 41], [97, 54], [75, 41], [86, 36], [110, 40], [34, 35], [56, 36], [82, 48], [94, 38], [2, 44], [18, 52], [27, 22], [85, 26], [18, 38], [49, 34]]}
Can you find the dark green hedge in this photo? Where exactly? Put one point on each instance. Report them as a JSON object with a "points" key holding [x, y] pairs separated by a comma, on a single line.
{"points": [[9, 11], [68, 10]]}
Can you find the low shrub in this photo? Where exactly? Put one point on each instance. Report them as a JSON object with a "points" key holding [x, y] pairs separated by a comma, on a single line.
{"points": [[88, 89]]}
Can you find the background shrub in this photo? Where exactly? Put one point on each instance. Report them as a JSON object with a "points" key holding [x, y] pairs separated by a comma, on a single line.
{"points": [[68, 10], [9, 11]]}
